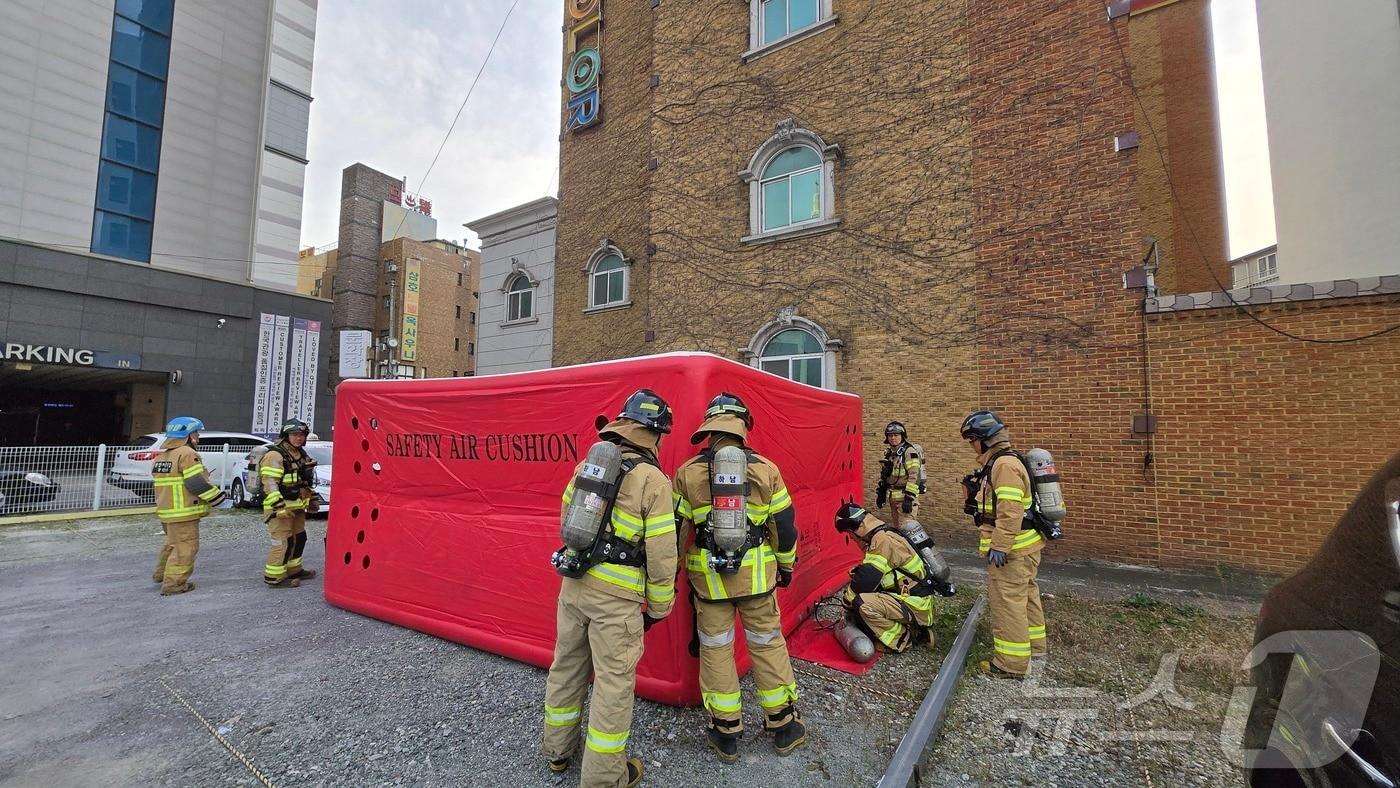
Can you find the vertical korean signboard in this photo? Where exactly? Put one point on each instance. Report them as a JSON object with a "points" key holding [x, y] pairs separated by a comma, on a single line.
{"points": [[289, 352], [263, 373], [412, 282]]}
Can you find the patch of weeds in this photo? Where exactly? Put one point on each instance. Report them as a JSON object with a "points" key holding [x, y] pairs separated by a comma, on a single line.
{"points": [[1141, 601]]}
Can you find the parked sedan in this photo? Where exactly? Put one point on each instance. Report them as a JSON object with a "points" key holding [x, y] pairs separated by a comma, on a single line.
{"points": [[24, 491], [1327, 708], [131, 469], [247, 492]]}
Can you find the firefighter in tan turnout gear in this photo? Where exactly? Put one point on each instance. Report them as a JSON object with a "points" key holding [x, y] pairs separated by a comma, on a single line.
{"points": [[619, 530], [900, 473], [745, 544], [184, 495], [890, 595], [999, 500], [287, 473]]}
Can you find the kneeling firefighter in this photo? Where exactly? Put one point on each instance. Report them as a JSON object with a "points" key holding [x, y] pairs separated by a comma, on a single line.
{"points": [[287, 474], [745, 546], [619, 530], [184, 495], [890, 597]]}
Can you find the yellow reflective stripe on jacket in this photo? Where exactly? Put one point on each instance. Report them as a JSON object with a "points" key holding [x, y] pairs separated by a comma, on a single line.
{"points": [[700, 512], [1014, 494], [1012, 648], [920, 604], [763, 556], [757, 512], [912, 488], [1025, 539], [660, 525], [661, 593], [562, 717], [1038, 633], [210, 495], [914, 566], [778, 697], [699, 562], [606, 743], [193, 470], [625, 526], [722, 702], [683, 507], [786, 558], [270, 472], [886, 571], [630, 578], [780, 501]]}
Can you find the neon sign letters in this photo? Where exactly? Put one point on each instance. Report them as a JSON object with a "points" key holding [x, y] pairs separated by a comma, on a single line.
{"points": [[585, 65]]}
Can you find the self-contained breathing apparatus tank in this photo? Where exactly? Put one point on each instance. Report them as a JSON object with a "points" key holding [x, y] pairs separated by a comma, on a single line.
{"points": [[856, 643], [936, 569], [595, 488], [1049, 496], [728, 520]]}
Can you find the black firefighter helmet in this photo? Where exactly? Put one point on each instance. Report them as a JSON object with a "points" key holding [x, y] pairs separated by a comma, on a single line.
{"points": [[648, 409]]}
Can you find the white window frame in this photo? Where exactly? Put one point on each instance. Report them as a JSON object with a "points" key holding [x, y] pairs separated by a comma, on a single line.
{"points": [[513, 296], [826, 19], [1261, 276], [789, 176], [789, 135], [786, 319], [606, 249]]}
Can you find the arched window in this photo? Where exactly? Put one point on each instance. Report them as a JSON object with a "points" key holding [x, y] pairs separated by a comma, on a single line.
{"points": [[520, 298], [796, 355], [791, 188], [790, 185], [608, 282]]}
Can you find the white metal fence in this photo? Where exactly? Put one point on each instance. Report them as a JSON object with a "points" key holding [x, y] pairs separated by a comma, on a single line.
{"points": [[38, 479]]}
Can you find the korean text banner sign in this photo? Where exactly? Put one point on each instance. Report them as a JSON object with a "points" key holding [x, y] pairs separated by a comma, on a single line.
{"points": [[448, 496]]}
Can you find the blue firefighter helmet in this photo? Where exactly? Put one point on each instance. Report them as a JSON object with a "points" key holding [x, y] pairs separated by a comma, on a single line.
{"points": [[183, 427], [982, 424]]}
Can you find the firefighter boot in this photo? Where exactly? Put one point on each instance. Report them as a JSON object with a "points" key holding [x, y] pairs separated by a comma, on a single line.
{"points": [[634, 772], [285, 582], [305, 574], [790, 736], [723, 741], [180, 589], [560, 766]]}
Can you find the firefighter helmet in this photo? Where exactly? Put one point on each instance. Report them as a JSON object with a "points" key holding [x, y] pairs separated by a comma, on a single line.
{"points": [[293, 425], [896, 428], [724, 402], [849, 517], [982, 424], [648, 409], [183, 427]]}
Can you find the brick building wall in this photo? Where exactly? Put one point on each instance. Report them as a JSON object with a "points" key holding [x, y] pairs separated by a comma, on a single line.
{"points": [[1060, 339], [1263, 441], [447, 302], [355, 293], [1174, 71], [603, 183]]}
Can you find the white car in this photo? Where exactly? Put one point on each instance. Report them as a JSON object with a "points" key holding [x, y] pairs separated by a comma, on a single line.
{"points": [[320, 451], [131, 469]]}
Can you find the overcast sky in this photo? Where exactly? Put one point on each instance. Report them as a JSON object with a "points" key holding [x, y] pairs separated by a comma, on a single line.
{"points": [[390, 76]]}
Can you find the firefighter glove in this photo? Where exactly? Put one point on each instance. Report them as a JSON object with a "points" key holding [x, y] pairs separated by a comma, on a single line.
{"points": [[996, 558], [908, 504], [881, 495], [648, 621], [784, 577]]}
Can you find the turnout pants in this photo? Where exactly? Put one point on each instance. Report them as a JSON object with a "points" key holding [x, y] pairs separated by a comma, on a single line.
{"points": [[772, 667], [896, 511], [1018, 620], [288, 534], [175, 563], [889, 621], [602, 634]]}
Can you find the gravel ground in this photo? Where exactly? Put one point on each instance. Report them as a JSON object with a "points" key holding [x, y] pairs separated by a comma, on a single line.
{"points": [[101, 667]]}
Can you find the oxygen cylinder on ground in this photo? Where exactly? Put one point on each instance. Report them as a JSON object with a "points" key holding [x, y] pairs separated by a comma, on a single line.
{"points": [[728, 521], [1049, 495], [934, 564], [856, 643], [595, 487]]}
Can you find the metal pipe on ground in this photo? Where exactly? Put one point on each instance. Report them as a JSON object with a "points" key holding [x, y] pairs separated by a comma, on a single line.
{"points": [[935, 706]]}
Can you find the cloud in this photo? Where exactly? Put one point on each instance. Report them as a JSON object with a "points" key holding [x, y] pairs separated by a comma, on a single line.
{"points": [[388, 80]]}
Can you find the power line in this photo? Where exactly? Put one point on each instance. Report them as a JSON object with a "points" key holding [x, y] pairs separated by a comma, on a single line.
{"points": [[1191, 227], [422, 182]]}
